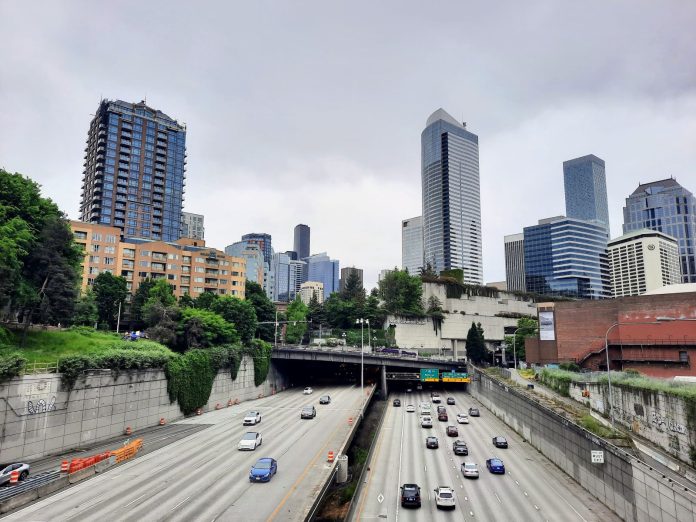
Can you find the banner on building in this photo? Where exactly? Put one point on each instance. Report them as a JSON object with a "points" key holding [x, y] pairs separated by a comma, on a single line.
{"points": [[546, 327]]}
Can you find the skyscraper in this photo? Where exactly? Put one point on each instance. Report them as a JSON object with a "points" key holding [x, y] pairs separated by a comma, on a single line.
{"points": [[280, 266], [451, 197], [585, 186], [514, 262], [301, 243], [192, 225], [324, 270], [254, 259], [134, 171], [567, 257], [412, 245], [669, 208], [264, 242], [346, 273]]}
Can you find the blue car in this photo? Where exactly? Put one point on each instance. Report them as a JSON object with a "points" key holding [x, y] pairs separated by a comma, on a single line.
{"points": [[263, 470], [495, 465]]}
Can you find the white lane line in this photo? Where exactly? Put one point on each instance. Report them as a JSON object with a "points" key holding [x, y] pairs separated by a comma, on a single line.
{"points": [[496, 496], [175, 507], [536, 507], [525, 494], [401, 452], [471, 513], [134, 501]]}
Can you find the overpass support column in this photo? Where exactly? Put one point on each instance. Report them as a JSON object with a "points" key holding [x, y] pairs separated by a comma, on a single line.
{"points": [[384, 381]]}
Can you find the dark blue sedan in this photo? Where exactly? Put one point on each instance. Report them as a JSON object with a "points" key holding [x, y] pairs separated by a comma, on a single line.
{"points": [[263, 470], [495, 465]]}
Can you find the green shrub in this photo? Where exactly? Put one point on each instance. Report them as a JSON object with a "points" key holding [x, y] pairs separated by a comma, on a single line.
{"points": [[72, 367], [347, 493], [226, 357], [591, 424], [190, 380], [569, 367], [558, 380], [5, 338], [260, 352], [11, 365]]}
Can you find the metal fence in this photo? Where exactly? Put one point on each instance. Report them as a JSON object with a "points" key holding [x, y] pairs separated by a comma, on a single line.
{"points": [[40, 367]]}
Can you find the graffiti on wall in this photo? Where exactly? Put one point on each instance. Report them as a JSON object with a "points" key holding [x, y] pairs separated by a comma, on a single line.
{"points": [[41, 406], [663, 423]]}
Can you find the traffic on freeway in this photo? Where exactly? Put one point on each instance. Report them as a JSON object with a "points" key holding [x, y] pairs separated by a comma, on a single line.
{"points": [[217, 473], [411, 478]]}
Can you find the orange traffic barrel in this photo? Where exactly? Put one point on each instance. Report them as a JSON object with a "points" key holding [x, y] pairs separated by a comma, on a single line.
{"points": [[162, 421], [128, 430], [14, 477], [198, 411], [218, 406], [229, 403], [331, 456], [64, 466]]}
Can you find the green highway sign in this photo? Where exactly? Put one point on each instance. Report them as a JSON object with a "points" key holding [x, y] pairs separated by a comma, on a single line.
{"points": [[455, 377], [430, 375]]}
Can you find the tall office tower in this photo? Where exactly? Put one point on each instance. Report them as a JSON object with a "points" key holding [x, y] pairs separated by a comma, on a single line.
{"points": [[254, 259], [291, 254], [642, 261], [669, 208], [585, 185], [280, 266], [192, 226], [451, 197], [412, 245], [345, 274], [301, 243], [134, 171], [297, 272], [324, 270], [514, 262], [567, 257], [264, 242]]}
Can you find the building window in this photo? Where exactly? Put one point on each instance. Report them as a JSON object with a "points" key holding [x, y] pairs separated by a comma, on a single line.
{"points": [[80, 235], [683, 356]]}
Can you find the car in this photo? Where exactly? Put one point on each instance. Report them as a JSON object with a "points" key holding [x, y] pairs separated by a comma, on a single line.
{"points": [[424, 408], [459, 448], [252, 418], [496, 466], [500, 442], [450, 401], [410, 408], [462, 418], [325, 399], [419, 387], [431, 442], [308, 391], [474, 412], [409, 390], [410, 495], [452, 431], [250, 441], [470, 470], [263, 470], [397, 402], [442, 416], [426, 422], [308, 412], [436, 398], [441, 409], [7, 469], [444, 497]]}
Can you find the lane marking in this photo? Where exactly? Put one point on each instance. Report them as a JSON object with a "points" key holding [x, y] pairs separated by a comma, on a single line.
{"points": [[496, 496], [134, 501], [174, 508]]}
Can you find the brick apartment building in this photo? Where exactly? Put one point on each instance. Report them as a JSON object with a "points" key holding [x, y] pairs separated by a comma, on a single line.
{"points": [[644, 339], [188, 265]]}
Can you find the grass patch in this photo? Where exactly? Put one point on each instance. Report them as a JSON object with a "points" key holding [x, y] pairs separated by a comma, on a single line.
{"points": [[591, 424], [526, 374]]}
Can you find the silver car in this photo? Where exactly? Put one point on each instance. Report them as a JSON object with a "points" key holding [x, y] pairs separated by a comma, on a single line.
{"points": [[470, 470], [7, 470]]}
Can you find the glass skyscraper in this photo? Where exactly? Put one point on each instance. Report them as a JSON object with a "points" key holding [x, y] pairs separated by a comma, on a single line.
{"points": [[134, 171], [322, 269], [451, 197], [585, 185], [412, 245], [514, 262], [264, 242], [301, 241], [567, 257], [669, 208]]}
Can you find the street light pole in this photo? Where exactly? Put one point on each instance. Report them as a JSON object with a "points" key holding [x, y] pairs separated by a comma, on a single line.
{"points": [[362, 356]]}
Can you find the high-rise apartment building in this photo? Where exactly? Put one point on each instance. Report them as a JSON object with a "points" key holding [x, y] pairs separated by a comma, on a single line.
{"points": [[345, 274], [514, 263], [412, 245], [451, 197], [669, 208], [642, 261], [264, 242], [298, 270], [192, 226], [134, 171], [324, 270], [567, 257], [585, 185], [310, 289], [254, 259], [301, 243]]}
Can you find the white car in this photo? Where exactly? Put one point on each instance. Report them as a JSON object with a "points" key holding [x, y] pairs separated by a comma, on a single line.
{"points": [[462, 418], [436, 398], [444, 497], [251, 418], [424, 408], [410, 408], [470, 470], [308, 391], [426, 422], [250, 441]]}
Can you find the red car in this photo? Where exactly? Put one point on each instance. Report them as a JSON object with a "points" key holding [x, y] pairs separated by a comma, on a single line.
{"points": [[452, 431], [442, 416]]}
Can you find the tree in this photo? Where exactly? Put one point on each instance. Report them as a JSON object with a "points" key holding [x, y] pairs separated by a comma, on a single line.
{"points": [[339, 312], [238, 312], [315, 312], [203, 328], [296, 327], [475, 345], [525, 327], [264, 308], [353, 289], [86, 313], [162, 321], [142, 294], [427, 270], [162, 291], [401, 293], [205, 300], [109, 291], [186, 301]]}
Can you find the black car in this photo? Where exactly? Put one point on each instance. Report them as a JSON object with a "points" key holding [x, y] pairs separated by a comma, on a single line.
{"points": [[397, 402], [450, 401], [442, 416], [432, 443], [500, 442], [325, 399], [459, 448], [474, 412], [410, 495]]}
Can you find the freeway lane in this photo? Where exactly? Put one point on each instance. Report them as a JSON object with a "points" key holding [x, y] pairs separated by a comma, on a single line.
{"points": [[205, 477], [532, 489]]}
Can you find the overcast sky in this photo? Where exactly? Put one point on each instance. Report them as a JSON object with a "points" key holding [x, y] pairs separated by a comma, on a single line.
{"points": [[311, 112]]}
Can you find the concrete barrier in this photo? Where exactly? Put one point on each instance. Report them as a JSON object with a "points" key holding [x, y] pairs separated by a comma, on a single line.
{"points": [[102, 466], [81, 475], [19, 500], [53, 486]]}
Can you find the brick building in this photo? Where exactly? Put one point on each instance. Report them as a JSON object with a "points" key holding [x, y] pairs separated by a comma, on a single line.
{"points": [[640, 334]]}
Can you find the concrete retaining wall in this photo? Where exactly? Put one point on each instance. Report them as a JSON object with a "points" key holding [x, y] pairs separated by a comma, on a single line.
{"points": [[38, 417], [629, 487]]}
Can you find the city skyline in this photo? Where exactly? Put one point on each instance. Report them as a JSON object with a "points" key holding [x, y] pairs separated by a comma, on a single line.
{"points": [[563, 101]]}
